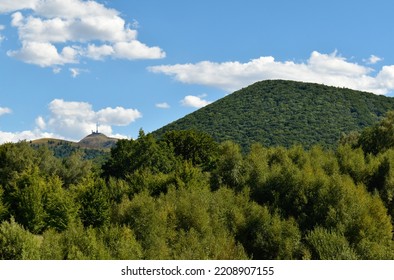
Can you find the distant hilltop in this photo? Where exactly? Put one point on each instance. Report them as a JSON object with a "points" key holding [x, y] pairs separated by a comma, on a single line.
{"points": [[93, 145], [97, 140]]}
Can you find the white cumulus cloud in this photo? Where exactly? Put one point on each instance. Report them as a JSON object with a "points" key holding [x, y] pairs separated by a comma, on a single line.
{"points": [[194, 101], [7, 6], [329, 69], [8, 137], [57, 32], [74, 120], [118, 116], [41, 124], [44, 54]]}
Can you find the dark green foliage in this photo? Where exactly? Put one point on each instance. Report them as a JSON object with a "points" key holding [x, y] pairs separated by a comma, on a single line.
{"points": [[285, 113], [145, 152], [190, 145], [379, 137], [14, 159], [3, 206], [75, 169], [94, 203]]}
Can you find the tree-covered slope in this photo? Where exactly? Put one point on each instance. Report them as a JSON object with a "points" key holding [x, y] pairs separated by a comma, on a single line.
{"points": [[278, 112]]}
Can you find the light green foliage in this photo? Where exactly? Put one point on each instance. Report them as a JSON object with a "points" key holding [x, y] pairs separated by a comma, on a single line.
{"points": [[60, 207], [52, 247], [78, 243], [81, 243], [16, 243], [329, 245], [143, 217], [120, 243], [353, 162]]}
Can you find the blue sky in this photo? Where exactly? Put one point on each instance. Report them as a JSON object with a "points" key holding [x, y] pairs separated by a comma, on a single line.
{"points": [[129, 64]]}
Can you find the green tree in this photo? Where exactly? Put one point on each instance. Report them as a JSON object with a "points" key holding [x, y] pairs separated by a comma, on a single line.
{"points": [[120, 162], [60, 207], [267, 236], [14, 159], [16, 243], [74, 169], [197, 147], [120, 242], [329, 245], [94, 204], [3, 206], [379, 137], [149, 225], [145, 152], [230, 169], [81, 243], [29, 198]]}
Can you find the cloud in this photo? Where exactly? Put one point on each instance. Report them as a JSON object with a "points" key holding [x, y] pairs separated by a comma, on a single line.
{"points": [[7, 6], [163, 105], [75, 72], [329, 69], [74, 120], [58, 32], [40, 123], [8, 137], [194, 101], [2, 27], [44, 54], [118, 116], [5, 110], [99, 52], [373, 59]]}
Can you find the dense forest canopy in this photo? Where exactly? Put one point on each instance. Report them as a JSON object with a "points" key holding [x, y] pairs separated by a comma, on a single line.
{"points": [[186, 196], [286, 113]]}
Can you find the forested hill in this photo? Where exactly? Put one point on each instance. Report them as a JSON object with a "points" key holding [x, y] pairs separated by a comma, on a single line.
{"points": [[92, 146], [283, 113]]}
